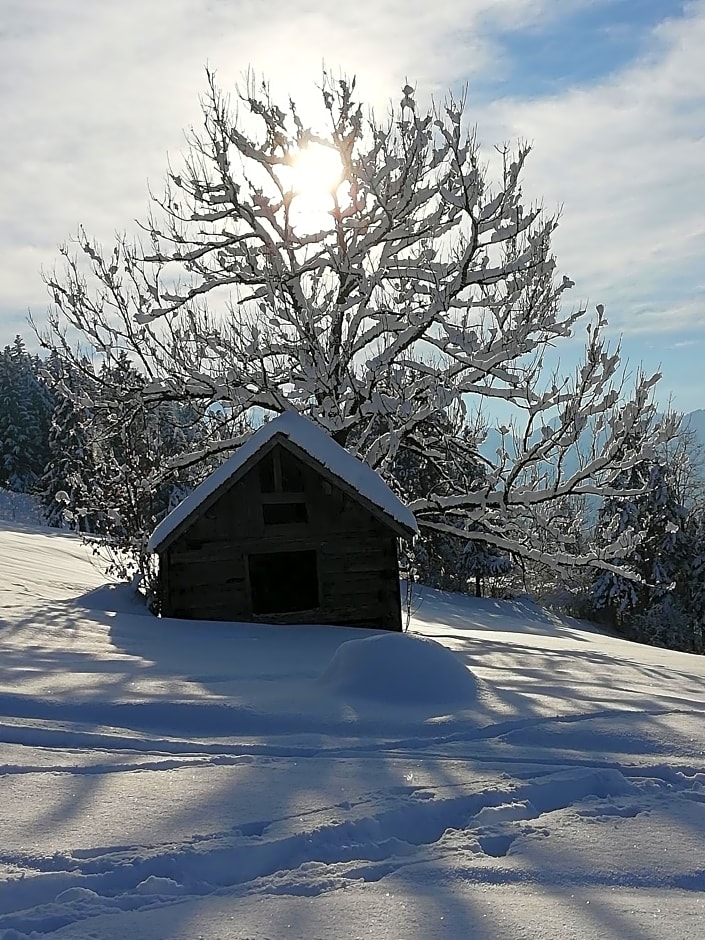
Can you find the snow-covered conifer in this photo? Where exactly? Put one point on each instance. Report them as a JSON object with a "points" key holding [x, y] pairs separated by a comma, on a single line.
{"points": [[658, 518], [25, 410], [109, 475], [692, 578], [66, 487]]}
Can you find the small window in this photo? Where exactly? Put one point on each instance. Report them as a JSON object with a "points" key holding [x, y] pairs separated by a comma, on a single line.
{"points": [[291, 475], [284, 513], [266, 474]]}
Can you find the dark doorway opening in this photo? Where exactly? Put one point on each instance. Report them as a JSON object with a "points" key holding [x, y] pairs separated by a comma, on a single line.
{"points": [[282, 582]]}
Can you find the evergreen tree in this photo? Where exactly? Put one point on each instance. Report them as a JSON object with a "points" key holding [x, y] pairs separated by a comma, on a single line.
{"points": [[25, 410], [439, 457], [66, 485], [482, 561], [110, 476], [646, 608], [691, 582]]}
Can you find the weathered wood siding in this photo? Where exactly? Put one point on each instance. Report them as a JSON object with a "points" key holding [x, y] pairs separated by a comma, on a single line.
{"points": [[205, 571]]}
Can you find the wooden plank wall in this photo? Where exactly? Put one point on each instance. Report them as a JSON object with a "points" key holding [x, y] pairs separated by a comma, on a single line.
{"points": [[206, 574]]}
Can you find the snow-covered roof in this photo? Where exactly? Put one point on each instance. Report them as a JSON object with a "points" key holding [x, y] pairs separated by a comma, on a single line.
{"points": [[320, 447]]}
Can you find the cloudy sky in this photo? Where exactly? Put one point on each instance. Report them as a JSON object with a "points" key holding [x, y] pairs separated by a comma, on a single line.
{"points": [[95, 94]]}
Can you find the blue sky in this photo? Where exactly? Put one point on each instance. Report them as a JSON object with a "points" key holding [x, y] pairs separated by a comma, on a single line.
{"points": [[581, 45], [611, 94]]}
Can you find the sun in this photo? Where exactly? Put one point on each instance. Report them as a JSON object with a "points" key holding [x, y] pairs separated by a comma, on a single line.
{"points": [[317, 173]]}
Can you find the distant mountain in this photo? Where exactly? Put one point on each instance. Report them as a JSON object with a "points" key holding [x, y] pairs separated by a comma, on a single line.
{"points": [[695, 422]]}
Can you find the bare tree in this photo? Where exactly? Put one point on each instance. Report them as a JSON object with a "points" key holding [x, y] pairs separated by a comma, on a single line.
{"points": [[414, 288]]}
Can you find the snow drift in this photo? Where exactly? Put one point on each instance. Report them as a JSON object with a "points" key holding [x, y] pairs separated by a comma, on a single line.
{"points": [[400, 668]]}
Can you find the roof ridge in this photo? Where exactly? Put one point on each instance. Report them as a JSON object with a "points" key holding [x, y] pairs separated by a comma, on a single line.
{"points": [[320, 446]]}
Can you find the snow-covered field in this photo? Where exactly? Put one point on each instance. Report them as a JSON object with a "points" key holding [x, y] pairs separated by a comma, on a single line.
{"points": [[497, 773]]}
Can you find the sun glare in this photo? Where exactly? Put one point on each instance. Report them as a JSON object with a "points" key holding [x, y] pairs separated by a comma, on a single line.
{"points": [[317, 171], [316, 175]]}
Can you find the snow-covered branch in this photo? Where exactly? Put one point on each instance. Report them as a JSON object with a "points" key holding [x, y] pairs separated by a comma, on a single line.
{"points": [[404, 286]]}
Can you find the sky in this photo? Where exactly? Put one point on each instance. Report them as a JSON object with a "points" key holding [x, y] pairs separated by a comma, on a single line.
{"points": [[96, 96]]}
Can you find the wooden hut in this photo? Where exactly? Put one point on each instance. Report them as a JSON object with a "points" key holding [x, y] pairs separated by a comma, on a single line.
{"points": [[290, 529]]}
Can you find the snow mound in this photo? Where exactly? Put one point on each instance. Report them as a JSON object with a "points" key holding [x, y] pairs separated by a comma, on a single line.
{"points": [[157, 885], [399, 668], [76, 893]]}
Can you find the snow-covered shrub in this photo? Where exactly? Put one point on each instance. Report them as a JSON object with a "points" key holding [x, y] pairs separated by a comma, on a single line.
{"points": [[663, 624]]}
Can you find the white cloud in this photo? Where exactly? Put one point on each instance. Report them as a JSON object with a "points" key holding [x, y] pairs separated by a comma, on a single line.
{"points": [[624, 158]]}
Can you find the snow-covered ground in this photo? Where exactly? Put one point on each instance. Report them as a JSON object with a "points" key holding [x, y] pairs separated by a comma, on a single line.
{"points": [[498, 772]]}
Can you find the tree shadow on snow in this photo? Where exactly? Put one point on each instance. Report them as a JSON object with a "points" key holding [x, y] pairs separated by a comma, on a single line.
{"points": [[301, 802]]}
